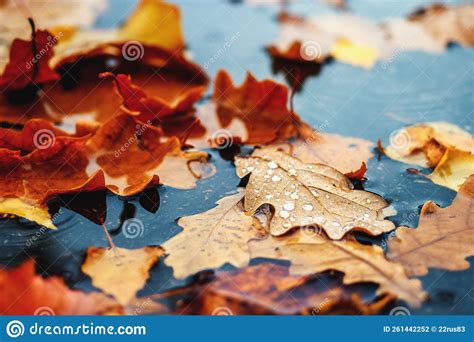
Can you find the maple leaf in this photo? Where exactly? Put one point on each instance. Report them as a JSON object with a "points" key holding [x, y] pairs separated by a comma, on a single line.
{"points": [[268, 289], [29, 61], [26, 293], [310, 252], [443, 239], [345, 154], [107, 267], [213, 238], [260, 105], [149, 108], [308, 194]]}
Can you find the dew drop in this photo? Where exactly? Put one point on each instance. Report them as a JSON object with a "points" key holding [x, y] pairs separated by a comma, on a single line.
{"points": [[284, 214], [289, 206], [276, 178], [307, 207], [272, 165]]}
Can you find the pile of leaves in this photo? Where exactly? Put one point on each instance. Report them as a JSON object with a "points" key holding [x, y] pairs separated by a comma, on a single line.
{"points": [[85, 110]]}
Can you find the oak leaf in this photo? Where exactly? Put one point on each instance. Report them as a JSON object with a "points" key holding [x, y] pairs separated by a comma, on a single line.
{"points": [[26, 293], [345, 154], [308, 194], [120, 272], [311, 252], [213, 238], [443, 239]]}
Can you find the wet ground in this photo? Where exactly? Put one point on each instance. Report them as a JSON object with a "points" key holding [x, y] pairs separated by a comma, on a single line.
{"points": [[352, 101]]}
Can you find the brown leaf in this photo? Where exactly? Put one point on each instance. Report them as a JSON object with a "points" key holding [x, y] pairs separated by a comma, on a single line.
{"points": [[120, 272], [123, 155], [26, 293], [312, 252], [213, 238], [443, 239], [308, 194], [268, 289], [260, 105]]}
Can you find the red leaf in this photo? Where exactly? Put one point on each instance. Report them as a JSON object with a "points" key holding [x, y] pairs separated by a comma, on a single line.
{"points": [[29, 62], [358, 174]]}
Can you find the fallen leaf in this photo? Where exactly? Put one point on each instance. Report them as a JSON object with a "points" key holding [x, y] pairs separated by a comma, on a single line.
{"points": [[213, 238], [29, 62], [453, 169], [149, 108], [358, 174], [26, 293], [447, 23], [268, 289], [425, 144], [312, 252], [345, 154], [57, 19], [155, 22], [362, 42], [120, 272], [123, 155], [260, 105], [443, 239], [308, 194]]}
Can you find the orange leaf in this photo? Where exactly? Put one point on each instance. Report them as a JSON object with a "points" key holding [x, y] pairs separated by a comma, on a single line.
{"points": [[29, 62], [358, 174], [25, 293]]}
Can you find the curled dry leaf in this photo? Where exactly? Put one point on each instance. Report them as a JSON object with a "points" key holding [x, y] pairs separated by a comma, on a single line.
{"points": [[149, 108], [345, 154], [120, 272], [260, 105], [444, 237], [443, 146], [308, 194], [213, 238], [268, 289], [124, 156], [311, 252], [26, 293], [24, 66]]}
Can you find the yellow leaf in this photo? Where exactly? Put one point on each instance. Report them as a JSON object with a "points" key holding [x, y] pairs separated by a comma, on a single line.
{"points": [[453, 169], [213, 238], [120, 272], [17, 207], [155, 22], [356, 54], [308, 194]]}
